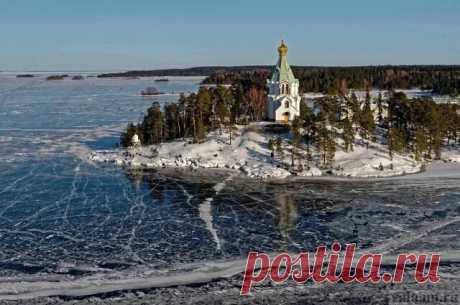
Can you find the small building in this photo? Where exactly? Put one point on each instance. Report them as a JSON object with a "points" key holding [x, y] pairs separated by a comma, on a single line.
{"points": [[135, 141], [283, 101]]}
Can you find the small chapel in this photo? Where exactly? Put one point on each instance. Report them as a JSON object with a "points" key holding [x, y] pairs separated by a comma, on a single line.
{"points": [[283, 101]]}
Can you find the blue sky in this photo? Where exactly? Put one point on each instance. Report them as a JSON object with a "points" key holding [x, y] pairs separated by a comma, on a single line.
{"points": [[120, 35]]}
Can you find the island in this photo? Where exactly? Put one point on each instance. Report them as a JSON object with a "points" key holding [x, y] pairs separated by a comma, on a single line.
{"points": [[271, 130], [150, 91], [57, 77], [25, 76]]}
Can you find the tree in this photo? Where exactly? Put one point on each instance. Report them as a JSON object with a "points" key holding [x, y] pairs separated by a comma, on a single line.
{"points": [[380, 109], [127, 136], [348, 134], [296, 138], [366, 119], [230, 129], [204, 105], [271, 146], [325, 143], [354, 107], [396, 141], [172, 121], [308, 119], [153, 126], [421, 144], [257, 98], [331, 148], [222, 114], [200, 130], [279, 148]]}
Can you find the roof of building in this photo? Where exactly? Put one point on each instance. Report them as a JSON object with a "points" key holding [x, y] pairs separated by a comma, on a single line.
{"points": [[283, 71]]}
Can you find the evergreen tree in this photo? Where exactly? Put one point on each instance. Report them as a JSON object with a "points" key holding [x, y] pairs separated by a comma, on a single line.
{"points": [[380, 109], [271, 146], [279, 148], [354, 107], [348, 134], [153, 125], [204, 105], [308, 120], [421, 144], [127, 136], [366, 120], [172, 121], [331, 149], [200, 130], [396, 141], [325, 143], [296, 139], [222, 114]]}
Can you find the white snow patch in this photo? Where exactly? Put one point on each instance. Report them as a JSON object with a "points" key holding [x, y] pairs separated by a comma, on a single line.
{"points": [[249, 154]]}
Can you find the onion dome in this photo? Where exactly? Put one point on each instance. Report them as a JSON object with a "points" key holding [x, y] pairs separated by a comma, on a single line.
{"points": [[282, 49]]}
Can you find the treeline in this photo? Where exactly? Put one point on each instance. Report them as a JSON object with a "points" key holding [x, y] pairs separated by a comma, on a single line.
{"points": [[195, 71], [409, 126], [195, 115], [439, 79], [421, 126]]}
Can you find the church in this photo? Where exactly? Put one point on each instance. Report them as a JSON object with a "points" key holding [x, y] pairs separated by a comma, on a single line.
{"points": [[283, 101]]}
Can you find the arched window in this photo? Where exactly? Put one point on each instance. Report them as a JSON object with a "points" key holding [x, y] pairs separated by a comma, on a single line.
{"points": [[286, 104], [284, 88]]}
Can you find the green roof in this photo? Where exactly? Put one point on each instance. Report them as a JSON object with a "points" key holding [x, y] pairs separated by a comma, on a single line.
{"points": [[283, 71]]}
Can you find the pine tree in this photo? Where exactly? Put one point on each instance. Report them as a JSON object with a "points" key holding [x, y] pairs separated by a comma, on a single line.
{"points": [[421, 144], [204, 105], [325, 143], [127, 136], [331, 149], [222, 114], [308, 123], [348, 134], [366, 119], [231, 130], [172, 121], [396, 141], [355, 109], [200, 130], [296, 139], [380, 109], [153, 125], [279, 148], [271, 146]]}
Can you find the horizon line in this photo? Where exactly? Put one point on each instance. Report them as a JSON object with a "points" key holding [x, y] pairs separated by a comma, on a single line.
{"points": [[227, 66]]}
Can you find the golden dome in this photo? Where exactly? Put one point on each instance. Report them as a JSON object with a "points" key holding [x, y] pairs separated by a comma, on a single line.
{"points": [[282, 49]]}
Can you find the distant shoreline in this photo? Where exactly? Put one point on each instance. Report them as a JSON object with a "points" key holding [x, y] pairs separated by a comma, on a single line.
{"points": [[208, 70]]}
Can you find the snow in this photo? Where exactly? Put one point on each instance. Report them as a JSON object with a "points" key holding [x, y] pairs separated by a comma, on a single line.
{"points": [[451, 154], [32, 287], [249, 155], [410, 93], [374, 161]]}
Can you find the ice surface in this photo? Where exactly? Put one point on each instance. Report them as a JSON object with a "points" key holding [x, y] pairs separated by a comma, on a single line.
{"points": [[69, 225]]}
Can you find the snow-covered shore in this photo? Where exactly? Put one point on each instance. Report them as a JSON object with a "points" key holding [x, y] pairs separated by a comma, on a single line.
{"points": [[249, 154]]}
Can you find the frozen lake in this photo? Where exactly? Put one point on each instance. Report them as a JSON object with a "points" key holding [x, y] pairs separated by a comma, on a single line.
{"points": [[63, 216]]}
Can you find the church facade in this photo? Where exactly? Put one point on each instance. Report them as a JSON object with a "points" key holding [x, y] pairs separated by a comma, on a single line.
{"points": [[283, 101]]}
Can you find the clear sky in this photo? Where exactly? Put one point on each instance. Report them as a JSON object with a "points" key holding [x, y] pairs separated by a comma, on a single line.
{"points": [[148, 34]]}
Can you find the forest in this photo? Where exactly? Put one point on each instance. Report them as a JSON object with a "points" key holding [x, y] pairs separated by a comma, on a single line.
{"points": [[195, 115], [440, 79], [419, 127]]}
